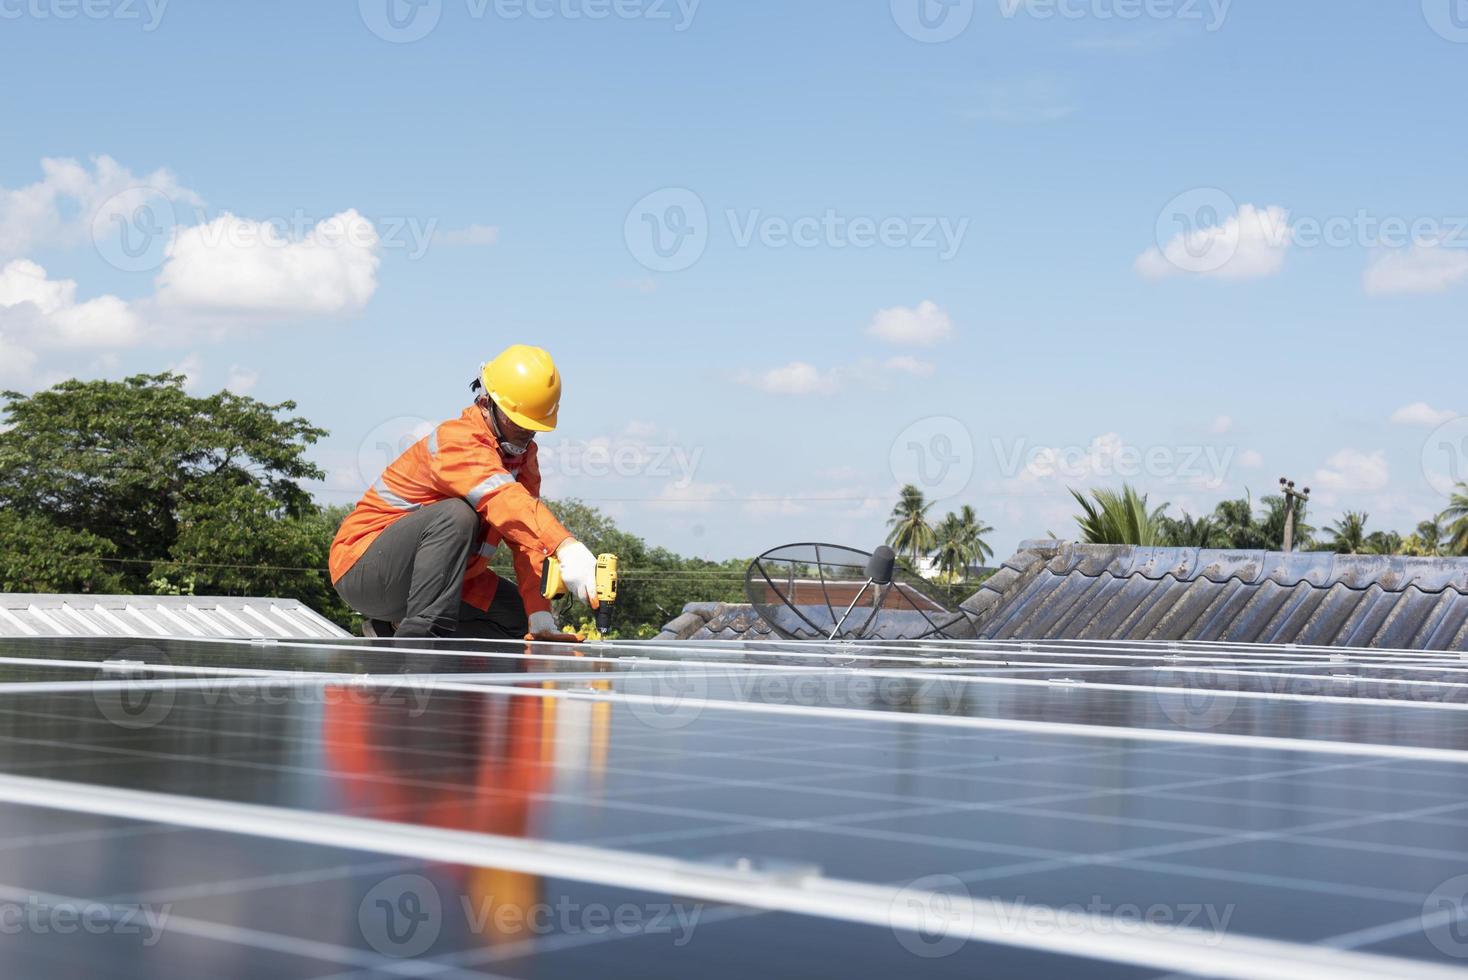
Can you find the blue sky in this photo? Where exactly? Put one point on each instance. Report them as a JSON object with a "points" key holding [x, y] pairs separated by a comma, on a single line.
{"points": [[996, 293]]}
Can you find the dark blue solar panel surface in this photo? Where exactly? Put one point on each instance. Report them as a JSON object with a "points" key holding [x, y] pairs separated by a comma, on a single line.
{"points": [[1274, 794]]}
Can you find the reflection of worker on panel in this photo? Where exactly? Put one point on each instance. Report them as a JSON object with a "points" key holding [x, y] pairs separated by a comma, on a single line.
{"points": [[486, 774]]}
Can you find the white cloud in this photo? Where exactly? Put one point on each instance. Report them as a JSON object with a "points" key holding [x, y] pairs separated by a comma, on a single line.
{"points": [[1032, 100], [62, 208], [1249, 245], [192, 368], [1352, 469], [1221, 425], [16, 361], [795, 378], [1421, 413], [924, 326], [904, 364], [1251, 459], [240, 379], [471, 236], [38, 313], [237, 265], [1422, 268]]}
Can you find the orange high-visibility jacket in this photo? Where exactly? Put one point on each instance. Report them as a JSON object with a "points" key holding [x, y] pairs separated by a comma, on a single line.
{"points": [[461, 459]]}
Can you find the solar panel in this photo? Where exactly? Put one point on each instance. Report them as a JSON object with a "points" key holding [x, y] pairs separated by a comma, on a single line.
{"points": [[321, 808]]}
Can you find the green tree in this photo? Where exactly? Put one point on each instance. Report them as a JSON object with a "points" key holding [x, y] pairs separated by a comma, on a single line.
{"points": [[911, 533], [38, 556], [1119, 517], [977, 549], [1237, 526], [1192, 532], [134, 485], [1271, 524], [653, 583], [1430, 536], [1455, 517], [1348, 534], [1384, 543]]}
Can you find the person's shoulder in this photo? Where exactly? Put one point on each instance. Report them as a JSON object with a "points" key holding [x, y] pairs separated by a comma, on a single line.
{"points": [[462, 429]]}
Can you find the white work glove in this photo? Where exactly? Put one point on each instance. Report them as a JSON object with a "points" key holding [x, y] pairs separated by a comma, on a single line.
{"points": [[578, 570], [543, 624]]}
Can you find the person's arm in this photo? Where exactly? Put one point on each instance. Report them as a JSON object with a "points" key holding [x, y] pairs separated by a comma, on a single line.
{"points": [[462, 467]]}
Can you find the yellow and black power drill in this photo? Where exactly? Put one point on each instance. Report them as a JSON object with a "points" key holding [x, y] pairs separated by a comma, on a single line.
{"points": [[553, 586]]}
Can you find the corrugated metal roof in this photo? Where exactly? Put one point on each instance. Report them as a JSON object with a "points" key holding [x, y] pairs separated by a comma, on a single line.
{"points": [[1062, 590], [185, 617]]}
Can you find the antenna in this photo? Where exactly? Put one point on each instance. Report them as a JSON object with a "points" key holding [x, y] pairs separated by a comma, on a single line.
{"points": [[813, 591], [879, 572]]}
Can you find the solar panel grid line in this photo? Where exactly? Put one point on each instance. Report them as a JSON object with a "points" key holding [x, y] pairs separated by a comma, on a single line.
{"points": [[1148, 650], [997, 807], [434, 684], [542, 945], [1302, 831], [235, 935], [422, 783], [954, 678], [1180, 949]]}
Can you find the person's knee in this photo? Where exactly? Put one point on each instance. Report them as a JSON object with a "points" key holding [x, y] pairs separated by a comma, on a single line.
{"points": [[457, 517]]}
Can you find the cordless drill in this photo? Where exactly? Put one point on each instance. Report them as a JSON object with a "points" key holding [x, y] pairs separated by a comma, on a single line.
{"points": [[553, 586]]}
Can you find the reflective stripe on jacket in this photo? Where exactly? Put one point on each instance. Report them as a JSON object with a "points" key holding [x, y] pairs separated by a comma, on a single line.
{"points": [[460, 459]]}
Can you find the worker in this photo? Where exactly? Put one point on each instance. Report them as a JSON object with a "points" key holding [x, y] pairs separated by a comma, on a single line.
{"points": [[413, 556]]}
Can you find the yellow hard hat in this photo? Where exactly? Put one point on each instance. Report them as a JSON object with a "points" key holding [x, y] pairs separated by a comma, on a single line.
{"points": [[524, 383]]}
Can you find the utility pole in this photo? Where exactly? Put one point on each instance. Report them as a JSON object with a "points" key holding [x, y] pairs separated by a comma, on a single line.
{"points": [[1293, 500]]}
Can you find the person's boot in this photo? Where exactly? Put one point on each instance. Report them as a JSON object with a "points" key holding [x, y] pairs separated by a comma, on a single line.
{"points": [[377, 628]]}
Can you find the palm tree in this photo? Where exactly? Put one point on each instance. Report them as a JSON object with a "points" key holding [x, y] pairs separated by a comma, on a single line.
{"points": [[911, 533], [952, 550], [1348, 535], [959, 543], [1272, 525], [1455, 516], [1430, 536], [973, 536], [1237, 526], [1192, 532], [1384, 543], [1119, 517]]}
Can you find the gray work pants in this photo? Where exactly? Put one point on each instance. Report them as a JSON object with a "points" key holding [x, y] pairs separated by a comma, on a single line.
{"points": [[413, 575]]}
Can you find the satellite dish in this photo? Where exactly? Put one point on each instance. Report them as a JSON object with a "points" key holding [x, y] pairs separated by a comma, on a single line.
{"points": [[830, 592]]}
